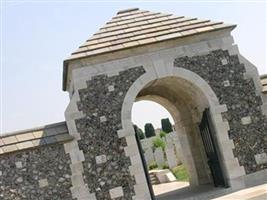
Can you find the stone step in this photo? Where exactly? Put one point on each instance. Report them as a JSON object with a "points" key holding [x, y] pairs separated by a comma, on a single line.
{"points": [[153, 179]]}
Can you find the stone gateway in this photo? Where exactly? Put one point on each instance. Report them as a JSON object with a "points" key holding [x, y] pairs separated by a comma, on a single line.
{"points": [[191, 67]]}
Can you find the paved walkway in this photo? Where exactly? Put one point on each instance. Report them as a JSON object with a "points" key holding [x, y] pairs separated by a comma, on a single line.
{"points": [[169, 191]]}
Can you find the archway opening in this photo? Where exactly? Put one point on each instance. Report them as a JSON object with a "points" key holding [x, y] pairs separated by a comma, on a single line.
{"points": [[154, 126], [186, 105]]}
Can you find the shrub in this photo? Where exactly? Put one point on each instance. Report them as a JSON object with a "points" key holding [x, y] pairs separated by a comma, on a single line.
{"points": [[162, 134], [149, 130], [158, 142], [180, 173], [153, 165], [165, 166], [166, 125]]}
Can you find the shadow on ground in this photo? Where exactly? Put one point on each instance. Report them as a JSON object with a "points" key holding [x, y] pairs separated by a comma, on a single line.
{"points": [[208, 192]]}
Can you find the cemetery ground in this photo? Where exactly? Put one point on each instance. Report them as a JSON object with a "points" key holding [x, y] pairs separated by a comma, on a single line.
{"points": [[180, 190]]}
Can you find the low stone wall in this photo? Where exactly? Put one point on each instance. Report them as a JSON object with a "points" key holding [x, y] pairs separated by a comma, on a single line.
{"points": [[41, 173], [34, 165]]}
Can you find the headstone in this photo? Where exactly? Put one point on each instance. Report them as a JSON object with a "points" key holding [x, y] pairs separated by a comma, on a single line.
{"points": [[169, 139], [159, 157], [171, 157], [146, 143], [149, 156]]}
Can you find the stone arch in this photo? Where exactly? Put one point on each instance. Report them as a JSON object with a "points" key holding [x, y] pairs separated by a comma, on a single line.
{"points": [[175, 113], [230, 165]]}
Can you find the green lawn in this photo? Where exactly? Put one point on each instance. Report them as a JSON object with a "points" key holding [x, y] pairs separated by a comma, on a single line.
{"points": [[180, 173]]}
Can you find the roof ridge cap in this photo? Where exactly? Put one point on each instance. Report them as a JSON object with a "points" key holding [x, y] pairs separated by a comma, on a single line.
{"points": [[127, 10]]}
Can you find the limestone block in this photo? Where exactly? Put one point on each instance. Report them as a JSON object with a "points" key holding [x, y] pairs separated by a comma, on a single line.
{"points": [[18, 164], [76, 156], [261, 158], [112, 73], [70, 146], [131, 150], [103, 119], [24, 137], [101, 159], [142, 191], [224, 61], [136, 169], [77, 179], [140, 178], [215, 43], [76, 168], [82, 192], [116, 192], [246, 120], [9, 140], [19, 180], [125, 132], [226, 83], [43, 183], [135, 159], [111, 88]]}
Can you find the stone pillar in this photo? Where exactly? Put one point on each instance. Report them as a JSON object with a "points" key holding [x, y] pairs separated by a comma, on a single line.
{"points": [[105, 160]]}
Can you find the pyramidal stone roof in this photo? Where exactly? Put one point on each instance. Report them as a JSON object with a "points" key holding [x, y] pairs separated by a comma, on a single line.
{"points": [[135, 27], [264, 83]]}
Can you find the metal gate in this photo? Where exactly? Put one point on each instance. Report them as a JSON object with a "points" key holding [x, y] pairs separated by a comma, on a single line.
{"points": [[145, 167], [207, 133]]}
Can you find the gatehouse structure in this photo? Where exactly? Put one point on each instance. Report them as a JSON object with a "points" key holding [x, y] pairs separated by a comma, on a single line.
{"points": [[191, 67]]}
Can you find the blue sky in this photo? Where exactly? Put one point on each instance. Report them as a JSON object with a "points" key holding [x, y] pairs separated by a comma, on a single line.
{"points": [[37, 37]]}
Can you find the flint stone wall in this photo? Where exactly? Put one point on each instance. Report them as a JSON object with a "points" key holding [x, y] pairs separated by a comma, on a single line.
{"points": [[101, 102], [248, 125], [42, 173]]}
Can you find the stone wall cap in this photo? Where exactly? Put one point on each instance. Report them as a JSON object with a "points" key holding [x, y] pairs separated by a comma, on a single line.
{"points": [[35, 137]]}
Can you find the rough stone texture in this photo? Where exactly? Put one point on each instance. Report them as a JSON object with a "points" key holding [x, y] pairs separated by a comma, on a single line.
{"points": [[100, 138], [241, 100], [27, 182]]}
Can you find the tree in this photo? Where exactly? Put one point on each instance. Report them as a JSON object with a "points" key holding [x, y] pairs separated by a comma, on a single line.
{"points": [[166, 125], [139, 132], [149, 130]]}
